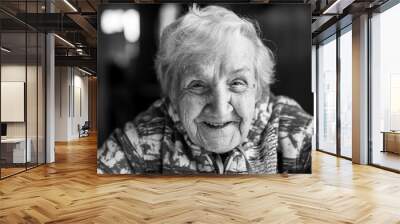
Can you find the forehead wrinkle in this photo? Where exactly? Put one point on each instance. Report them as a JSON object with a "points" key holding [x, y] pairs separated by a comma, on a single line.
{"points": [[213, 62], [221, 68], [239, 52], [210, 70]]}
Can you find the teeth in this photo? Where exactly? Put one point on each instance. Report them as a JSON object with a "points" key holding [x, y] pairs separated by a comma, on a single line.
{"points": [[216, 124]]}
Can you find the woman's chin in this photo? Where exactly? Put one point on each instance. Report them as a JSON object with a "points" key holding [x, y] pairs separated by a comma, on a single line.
{"points": [[219, 140], [218, 150], [221, 146]]}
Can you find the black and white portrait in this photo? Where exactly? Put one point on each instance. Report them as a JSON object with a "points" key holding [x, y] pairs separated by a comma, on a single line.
{"points": [[204, 89]]}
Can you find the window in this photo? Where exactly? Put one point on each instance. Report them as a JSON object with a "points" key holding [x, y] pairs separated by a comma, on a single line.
{"points": [[346, 92], [327, 95], [385, 86], [334, 106]]}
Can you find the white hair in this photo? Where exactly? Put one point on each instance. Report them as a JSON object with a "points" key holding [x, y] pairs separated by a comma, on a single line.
{"points": [[197, 36]]}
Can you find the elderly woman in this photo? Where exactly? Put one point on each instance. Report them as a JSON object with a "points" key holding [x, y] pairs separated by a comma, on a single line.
{"points": [[217, 114]]}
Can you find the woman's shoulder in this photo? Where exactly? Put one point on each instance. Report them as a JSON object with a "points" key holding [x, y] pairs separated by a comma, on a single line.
{"points": [[135, 148], [286, 108], [147, 129], [153, 120], [295, 128], [277, 107]]}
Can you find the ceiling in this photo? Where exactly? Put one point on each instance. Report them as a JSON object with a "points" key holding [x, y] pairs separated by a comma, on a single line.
{"points": [[76, 22]]}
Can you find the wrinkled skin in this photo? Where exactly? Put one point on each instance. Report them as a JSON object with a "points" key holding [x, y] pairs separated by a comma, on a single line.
{"points": [[216, 102]]}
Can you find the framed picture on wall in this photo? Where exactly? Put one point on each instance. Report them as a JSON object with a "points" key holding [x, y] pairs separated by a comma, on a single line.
{"points": [[12, 101]]}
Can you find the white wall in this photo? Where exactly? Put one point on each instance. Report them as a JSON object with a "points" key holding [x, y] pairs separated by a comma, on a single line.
{"points": [[61, 103], [71, 94], [80, 112]]}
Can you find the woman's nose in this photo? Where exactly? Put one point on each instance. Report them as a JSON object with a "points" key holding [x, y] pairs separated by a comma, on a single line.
{"points": [[220, 102]]}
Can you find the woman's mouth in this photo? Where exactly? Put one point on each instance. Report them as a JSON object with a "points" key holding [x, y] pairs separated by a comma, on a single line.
{"points": [[217, 125]]}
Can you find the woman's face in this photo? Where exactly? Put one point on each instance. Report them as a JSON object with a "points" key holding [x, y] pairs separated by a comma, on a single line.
{"points": [[216, 101]]}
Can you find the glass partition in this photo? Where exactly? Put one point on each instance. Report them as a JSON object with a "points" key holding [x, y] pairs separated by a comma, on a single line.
{"points": [[41, 107], [31, 99], [22, 77], [13, 109], [33, 72]]}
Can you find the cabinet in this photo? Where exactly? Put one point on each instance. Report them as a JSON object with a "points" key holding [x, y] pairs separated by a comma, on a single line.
{"points": [[391, 141], [13, 150]]}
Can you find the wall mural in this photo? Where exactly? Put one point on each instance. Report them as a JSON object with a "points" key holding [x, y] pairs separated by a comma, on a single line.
{"points": [[204, 89]]}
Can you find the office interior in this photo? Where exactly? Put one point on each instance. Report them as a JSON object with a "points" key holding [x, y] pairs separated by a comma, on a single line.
{"points": [[45, 89], [375, 90], [49, 85]]}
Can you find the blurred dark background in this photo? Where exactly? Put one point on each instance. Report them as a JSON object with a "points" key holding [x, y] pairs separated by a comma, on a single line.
{"points": [[126, 77]]}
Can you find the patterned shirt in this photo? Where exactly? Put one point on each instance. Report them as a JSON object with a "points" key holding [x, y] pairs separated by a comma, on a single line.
{"points": [[279, 141]]}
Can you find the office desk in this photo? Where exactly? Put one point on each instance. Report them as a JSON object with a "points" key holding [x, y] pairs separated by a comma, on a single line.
{"points": [[13, 150], [391, 141]]}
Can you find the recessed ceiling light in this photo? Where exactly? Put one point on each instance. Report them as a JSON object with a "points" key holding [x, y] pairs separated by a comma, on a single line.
{"points": [[337, 7], [70, 5], [64, 40], [84, 71], [5, 50]]}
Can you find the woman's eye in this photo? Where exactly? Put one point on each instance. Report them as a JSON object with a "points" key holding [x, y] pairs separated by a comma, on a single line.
{"points": [[238, 85], [197, 87]]}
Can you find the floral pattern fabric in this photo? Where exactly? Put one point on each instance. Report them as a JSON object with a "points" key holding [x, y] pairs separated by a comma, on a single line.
{"points": [[155, 142]]}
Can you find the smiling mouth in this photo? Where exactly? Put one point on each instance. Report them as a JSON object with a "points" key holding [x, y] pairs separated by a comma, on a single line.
{"points": [[217, 125]]}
